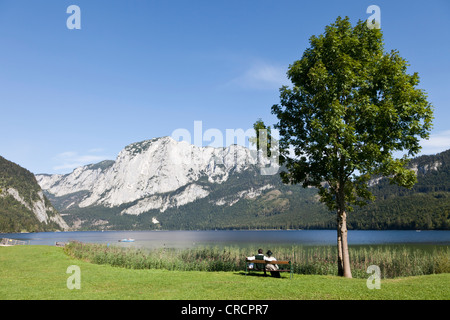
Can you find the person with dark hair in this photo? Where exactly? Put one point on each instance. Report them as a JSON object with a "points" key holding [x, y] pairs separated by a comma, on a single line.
{"points": [[269, 266], [259, 256], [272, 267]]}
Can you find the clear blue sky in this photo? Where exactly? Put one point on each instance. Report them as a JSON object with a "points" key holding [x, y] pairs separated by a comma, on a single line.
{"points": [[140, 69]]}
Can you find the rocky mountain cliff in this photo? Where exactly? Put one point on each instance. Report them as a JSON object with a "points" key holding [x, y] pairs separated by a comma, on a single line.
{"points": [[162, 183], [23, 206], [147, 170], [154, 176]]}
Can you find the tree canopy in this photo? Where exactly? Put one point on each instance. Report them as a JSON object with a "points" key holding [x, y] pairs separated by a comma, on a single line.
{"points": [[352, 106]]}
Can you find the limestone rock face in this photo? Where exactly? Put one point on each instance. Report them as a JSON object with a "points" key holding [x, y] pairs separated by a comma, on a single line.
{"points": [[158, 174]]}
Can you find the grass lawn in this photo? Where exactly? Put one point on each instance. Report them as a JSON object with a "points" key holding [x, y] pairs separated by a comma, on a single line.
{"points": [[39, 273]]}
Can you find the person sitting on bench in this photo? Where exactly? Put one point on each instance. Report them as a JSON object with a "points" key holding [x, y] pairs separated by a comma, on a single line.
{"points": [[272, 267], [259, 256], [260, 266]]}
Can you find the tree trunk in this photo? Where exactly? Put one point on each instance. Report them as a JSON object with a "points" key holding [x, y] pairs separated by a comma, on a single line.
{"points": [[347, 273], [343, 255], [339, 247]]}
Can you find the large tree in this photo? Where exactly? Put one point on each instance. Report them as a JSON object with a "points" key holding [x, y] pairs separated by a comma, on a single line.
{"points": [[351, 108]]}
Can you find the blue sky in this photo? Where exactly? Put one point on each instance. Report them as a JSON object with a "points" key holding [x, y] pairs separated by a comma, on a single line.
{"points": [[140, 69]]}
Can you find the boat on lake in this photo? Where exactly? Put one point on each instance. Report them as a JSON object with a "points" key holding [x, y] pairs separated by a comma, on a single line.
{"points": [[126, 240]]}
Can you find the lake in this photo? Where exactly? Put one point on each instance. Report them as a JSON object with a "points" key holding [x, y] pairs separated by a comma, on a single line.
{"points": [[241, 238]]}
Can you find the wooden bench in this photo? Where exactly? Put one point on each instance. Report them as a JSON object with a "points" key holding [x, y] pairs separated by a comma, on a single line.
{"points": [[283, 265]]}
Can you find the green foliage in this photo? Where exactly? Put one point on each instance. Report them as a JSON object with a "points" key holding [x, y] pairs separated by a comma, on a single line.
{"points": [[14, 216], [425, 206], [14, 176], [263, 138], [351, 106]]}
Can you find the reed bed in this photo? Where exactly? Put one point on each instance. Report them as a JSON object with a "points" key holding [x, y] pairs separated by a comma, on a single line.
{"points": [[393, 261]]}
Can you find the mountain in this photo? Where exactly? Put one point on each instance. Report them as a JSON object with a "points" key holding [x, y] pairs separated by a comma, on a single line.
{"points": [[165, 184], [162, 183], [147, 169], [23, 206], [425, 206]]}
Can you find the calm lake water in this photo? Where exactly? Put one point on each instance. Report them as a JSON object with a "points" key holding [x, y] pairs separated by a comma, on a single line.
{"points": [[187, 239]]}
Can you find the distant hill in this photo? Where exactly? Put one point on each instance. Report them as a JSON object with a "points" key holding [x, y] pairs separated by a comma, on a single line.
{"points": [[23, 206], [165, 184], [425, 206]]}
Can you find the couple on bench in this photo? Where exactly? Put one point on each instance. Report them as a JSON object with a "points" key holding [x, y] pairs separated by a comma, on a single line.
{"points": [[269, 267]]}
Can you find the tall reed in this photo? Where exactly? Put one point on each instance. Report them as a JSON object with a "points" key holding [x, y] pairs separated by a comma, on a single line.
{"points": [[393, 261]]}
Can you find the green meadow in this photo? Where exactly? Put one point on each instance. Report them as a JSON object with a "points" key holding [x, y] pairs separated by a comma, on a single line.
{"points": [[40, 273]]}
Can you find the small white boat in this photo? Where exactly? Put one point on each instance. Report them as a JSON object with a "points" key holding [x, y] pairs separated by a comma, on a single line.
{"points": [[127, 240]]}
